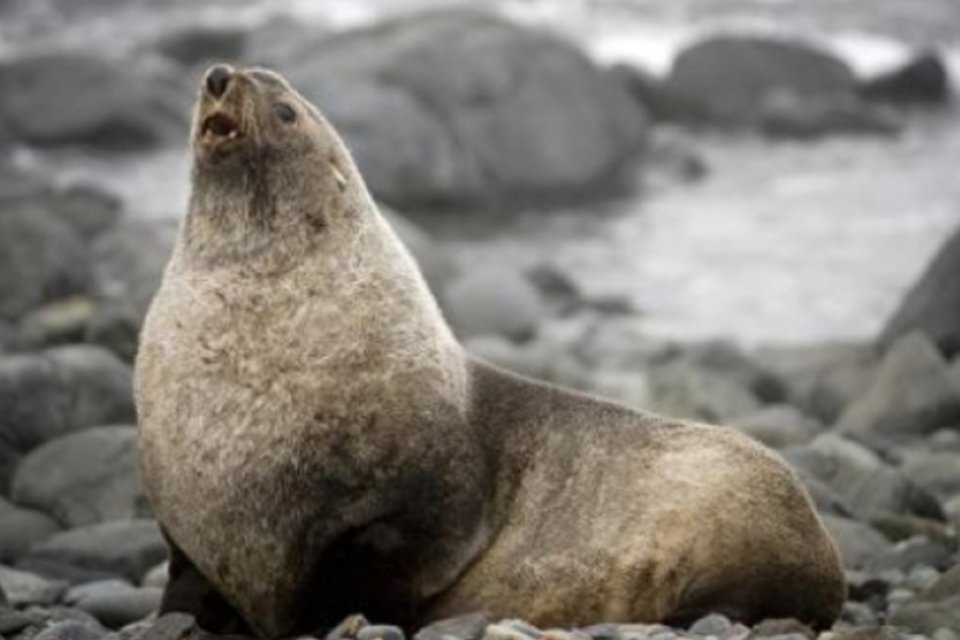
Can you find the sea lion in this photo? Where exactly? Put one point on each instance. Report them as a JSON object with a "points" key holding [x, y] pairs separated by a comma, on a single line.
{"points": [[315, 442]]}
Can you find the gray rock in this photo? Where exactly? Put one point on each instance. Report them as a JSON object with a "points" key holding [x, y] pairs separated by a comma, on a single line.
{"points": [[713, 624], [785, 115], [462, 107], [74, 98], [490, 300], [23, 588], [726, 78], [775, 627], [436, 264], [466, 627], [822, 380], [947, 587], [924, 80], [72, 630], [20, 528], [380, 632], [41, 259], [63, 321], [858, 542], [909, 554], [128, 263], [932, 305], [914, 393], [926, 618], [119, 604], [935, 471], [200, 44], [60, 391], [858, 614], [861, 478], [124, 548], [779, 426], [623, 343], [83, 478], [684, 389], [170, 626], [157, 576]]}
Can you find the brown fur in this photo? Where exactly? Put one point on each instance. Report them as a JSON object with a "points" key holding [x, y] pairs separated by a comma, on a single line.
{"points": [[316, 443]]}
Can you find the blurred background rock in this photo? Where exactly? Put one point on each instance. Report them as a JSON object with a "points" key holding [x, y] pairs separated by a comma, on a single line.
{"points": [[739, 211]]}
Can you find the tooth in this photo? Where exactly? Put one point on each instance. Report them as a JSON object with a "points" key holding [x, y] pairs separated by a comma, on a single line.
{"points": [[339, 177]]}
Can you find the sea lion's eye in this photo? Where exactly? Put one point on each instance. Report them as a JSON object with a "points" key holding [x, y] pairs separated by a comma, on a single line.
{"points": [[285, 112]]}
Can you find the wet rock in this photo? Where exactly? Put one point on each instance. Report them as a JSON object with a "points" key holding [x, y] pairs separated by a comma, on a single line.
{"points": [[125, 548], [489, 300], [728, 77], [115, 603], [41, 259], [913, 393], [779, 426], [467, 627], [128, 263], [72, 630], [199, 44], [23, 588], [83, 478], [923, 80], [932, 305], [858, 542], [460, 107], [20, 528], [861, 478], [74, 98]]}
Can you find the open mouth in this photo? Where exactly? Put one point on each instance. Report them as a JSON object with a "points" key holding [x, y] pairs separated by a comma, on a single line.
{"points": [[218, 127]]}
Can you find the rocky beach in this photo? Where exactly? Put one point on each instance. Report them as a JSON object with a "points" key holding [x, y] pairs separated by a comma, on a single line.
{"points": [[751, 226]]}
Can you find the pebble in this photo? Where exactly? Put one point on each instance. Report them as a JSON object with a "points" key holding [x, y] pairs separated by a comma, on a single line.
{"points": [[23, 588], [467, 627], [157, 576], [380, 632], [505, 631], [711, 625], [72, 630]]}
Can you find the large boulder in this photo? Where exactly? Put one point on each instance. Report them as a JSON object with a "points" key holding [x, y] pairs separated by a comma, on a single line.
{"points": [[933, 303], [914, 393], [75, 98], [493, 300], [20, 528], [728, 78], [83, 478], [41, 258], [460, 107]]}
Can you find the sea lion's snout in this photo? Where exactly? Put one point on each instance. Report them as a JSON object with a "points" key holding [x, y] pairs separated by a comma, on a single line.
{"points": [[217, 80]]}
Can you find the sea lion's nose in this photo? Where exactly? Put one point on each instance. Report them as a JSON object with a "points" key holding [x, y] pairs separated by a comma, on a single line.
{"points": [[217, 80]]}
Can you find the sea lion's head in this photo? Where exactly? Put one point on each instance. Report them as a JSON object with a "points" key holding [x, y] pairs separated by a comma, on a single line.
{"points": [[266, 161]]}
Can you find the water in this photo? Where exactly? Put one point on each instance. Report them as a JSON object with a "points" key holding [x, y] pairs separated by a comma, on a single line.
{"points": [[784, 242]]}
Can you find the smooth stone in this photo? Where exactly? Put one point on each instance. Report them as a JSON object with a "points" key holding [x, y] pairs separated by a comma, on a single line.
{"points": [[779, 426], [932, 305], [927, 618], [115, 607], [865, 482], [380, 632], [60, 391], [858, 614], [348, 628], [466, 627], [126, 548], [157, 576], [59, 322], [170, 626], [858, 542], [83, 478], [72, 630], [936, 471], [20, 528], [685, 389], [23, 588], [898, 527], [922, 80], [41, 259], [491, 300], [78, 592], [12, 621], [909, 554], [914, 393], [947, 587], [776, 627], [57, 570], [713, 624]]}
